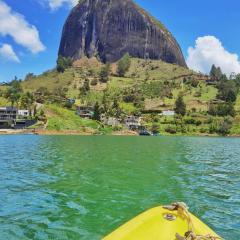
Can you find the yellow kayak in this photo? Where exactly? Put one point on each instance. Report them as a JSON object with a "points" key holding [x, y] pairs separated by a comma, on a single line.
{"points": [[172, 222]]}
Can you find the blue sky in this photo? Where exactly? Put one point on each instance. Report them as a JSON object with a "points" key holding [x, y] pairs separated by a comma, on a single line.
{"points": [[186, 19]]}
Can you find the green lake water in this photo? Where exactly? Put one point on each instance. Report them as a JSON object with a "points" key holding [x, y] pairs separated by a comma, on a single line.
{"points": [[73, 187]]}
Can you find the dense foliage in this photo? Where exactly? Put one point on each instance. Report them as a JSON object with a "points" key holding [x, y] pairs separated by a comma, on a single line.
{"points": [[63, 63]]}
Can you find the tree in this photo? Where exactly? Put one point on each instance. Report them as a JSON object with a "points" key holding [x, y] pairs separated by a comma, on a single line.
{"points": [[215, 73], [219, 73], [104, 73], [227, 91], [105, 103], [96, 112], [237, 80], [29, 76], [14, 92], [85, 88], [116, 110], [180, 106], [123, 65], [63, 63], [27, 101]]}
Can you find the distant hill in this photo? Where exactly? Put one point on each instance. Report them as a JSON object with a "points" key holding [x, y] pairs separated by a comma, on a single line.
{"points": [[157, 82], [109, 29]]}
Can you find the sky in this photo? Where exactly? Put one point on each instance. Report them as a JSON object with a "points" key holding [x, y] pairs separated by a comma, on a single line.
{"points": [[207, 31]]}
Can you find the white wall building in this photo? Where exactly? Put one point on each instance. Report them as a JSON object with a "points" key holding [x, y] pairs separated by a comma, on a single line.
{"points": [[167, 113], [23, 113]]}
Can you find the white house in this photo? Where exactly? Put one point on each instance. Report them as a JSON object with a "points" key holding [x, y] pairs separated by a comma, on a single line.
{"points": [[167, 113]]}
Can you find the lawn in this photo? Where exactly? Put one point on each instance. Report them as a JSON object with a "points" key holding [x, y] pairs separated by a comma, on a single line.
{"points": [[61, 119]]}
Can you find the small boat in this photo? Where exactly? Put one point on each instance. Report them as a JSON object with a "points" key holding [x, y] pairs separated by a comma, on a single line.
{"points": [[172, 222], [144, 133]]}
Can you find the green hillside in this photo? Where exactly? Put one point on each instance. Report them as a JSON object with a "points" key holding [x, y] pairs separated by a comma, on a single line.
{"points": [[154, 79], [147, 88]]}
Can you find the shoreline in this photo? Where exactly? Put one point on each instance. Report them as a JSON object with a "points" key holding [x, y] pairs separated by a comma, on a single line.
{"points": [[44, 132], [58, 133]]}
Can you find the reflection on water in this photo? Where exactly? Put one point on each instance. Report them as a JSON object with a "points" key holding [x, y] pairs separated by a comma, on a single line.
{"points": [[71, 187]]}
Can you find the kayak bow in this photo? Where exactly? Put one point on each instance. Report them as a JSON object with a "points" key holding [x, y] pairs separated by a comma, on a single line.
{"points": [[172, 222]]}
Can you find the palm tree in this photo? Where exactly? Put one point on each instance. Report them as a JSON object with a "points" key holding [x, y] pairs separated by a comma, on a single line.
{"points": [[27, 100], [13, 93]]}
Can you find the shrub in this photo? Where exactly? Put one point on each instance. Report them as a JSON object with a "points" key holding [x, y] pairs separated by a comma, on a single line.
{"points": [[189, 121], [96, 112], [104, 73], [68, 104], [193, 82], [198, 122], [117, 128], [192, 121], [224, 127], [155, 129], [128, 98], [194, 110], [213, 128], [170, 130], [94, 82], [222, 109], [123, 65], [197, 94], [221, 127], [203, 130]]}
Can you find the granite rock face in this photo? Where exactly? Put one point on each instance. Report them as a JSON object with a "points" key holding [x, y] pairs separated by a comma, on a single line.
{"points": [[110, 28]]}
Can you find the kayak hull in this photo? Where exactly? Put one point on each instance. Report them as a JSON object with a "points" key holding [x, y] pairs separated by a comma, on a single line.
{"points": [[159, 224]]}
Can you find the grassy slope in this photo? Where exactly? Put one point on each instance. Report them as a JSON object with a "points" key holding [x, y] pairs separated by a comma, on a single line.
{"points": [[51, 80], [74, 76], [158, 73], [61, 119]]}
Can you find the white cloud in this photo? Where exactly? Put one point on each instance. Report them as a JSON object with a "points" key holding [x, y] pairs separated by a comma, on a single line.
{"points": [[7, 53], [15, 25], [55, 4], [208, 51]]}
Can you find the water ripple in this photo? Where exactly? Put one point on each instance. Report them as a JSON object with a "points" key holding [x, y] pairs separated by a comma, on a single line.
{"points": [[84, 187]]}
